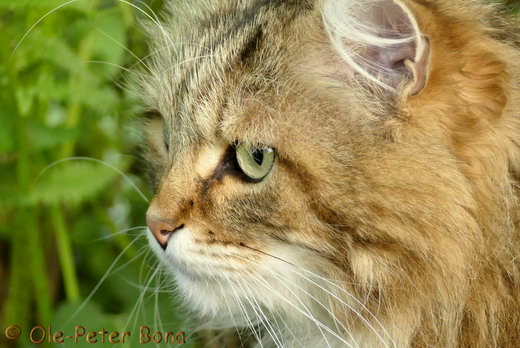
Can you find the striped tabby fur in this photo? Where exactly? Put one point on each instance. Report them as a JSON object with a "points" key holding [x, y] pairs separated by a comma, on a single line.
{"points": [[388, 219]]}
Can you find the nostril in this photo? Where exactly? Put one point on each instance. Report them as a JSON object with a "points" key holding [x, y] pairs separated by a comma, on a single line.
{"points": [[161, 230]]}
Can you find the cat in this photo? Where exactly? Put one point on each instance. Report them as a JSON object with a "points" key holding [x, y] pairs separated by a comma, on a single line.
{"points": [[338, 173]]}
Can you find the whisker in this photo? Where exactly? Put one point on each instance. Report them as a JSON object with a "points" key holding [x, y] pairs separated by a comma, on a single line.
{"points": [[158, 50], [265, 321], [267, 254], [230, 312], [336, 297], [244, 312], [95, 160], [110, 64], [304, 307], [157, 311], [151, 54], [147, 263], [282, 281], [189, 60], [149, 9], [259, 321], [38, 21], [316, 321], [139, 60], [112, 235], [139, 254], [276, 313], [156, 22], [103, 278], [136, 309], [350, 307]]}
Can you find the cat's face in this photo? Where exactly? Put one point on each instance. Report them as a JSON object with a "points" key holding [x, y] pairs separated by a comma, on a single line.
{"points": [[281, 186], [336, 190], [251, 189]]}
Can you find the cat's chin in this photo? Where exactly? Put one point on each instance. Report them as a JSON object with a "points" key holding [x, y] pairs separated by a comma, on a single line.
{"points": [[233, 293], [205, 295], [222, 305]]}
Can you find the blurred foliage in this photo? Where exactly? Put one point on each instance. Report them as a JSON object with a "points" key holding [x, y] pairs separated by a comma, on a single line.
{"points": [[67, 171]]}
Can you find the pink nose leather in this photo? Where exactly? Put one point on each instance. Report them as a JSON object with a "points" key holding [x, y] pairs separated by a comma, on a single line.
{"points": [[161, 230]]}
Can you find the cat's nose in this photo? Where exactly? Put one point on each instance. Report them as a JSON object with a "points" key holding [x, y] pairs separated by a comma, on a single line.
{"points": [[161, 230]]}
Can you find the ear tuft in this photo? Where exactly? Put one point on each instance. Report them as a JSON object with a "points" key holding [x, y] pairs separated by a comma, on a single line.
{"points": [[380, 40]]}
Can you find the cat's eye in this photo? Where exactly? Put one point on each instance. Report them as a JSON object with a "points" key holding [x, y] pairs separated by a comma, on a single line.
{"points": [[256, 163]]}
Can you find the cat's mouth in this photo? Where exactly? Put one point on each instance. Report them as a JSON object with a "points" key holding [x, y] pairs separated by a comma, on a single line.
{"points": [[235, 279], [201, 259], [211, 274]]}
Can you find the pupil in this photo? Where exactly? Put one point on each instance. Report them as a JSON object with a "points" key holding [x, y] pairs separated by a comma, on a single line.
{"points": [[258, 156]]}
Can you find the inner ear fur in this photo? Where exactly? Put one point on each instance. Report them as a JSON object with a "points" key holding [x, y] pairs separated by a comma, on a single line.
{"points": [[379, 40]]}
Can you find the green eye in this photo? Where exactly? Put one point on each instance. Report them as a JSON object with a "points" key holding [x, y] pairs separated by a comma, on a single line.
{"points": [[255, 163]]}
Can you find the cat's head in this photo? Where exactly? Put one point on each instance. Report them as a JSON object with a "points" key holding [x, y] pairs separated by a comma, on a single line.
{"points": [[315, 158]]}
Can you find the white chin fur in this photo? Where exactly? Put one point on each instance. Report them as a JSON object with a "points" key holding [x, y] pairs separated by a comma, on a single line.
{"points": [[270, 294]]}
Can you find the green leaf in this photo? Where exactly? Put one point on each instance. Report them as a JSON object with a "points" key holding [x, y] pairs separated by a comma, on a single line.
{"points": [[90, 317], [90, 93], [9, 194], [109, 37], [50, 89], [6, 131], [24, 99], [48, 5], [43, 137], [93, 319], [38, 47], [71, 182]]}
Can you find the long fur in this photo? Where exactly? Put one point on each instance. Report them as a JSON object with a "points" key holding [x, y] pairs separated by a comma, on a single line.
{"points": [[350, 21], [388, 220]]}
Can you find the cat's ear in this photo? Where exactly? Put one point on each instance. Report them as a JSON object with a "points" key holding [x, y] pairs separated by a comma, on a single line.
{"points": [[380, 40]]}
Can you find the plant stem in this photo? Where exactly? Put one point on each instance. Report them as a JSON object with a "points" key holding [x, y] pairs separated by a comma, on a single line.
{"points": [[65, 254], [18, 304], [63, 241], [39, 272]]}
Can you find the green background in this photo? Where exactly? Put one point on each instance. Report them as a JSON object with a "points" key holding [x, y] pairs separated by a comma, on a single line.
{"points": [[67, 223], [64, 223]]}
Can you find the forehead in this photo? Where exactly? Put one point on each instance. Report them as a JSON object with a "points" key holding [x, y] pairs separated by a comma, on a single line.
{"points": [[213, 71]]}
